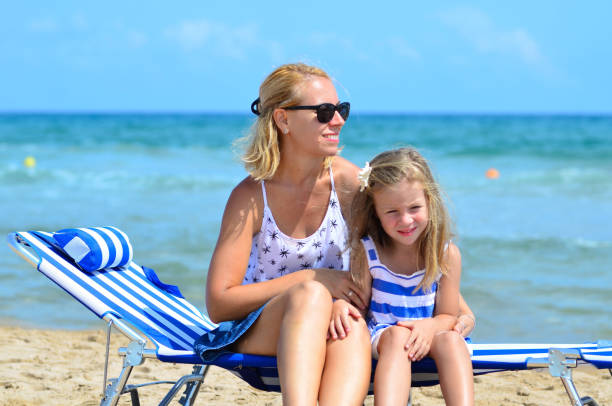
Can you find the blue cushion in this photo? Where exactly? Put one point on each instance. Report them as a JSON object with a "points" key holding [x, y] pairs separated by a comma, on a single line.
{"points": [[95, 248]]}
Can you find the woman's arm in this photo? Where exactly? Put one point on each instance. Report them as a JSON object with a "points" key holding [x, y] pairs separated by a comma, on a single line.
{"points": [[339, 326], [226, 297]]}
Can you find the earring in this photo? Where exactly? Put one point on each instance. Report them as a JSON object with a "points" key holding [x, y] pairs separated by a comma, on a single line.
{"points": [[285, 130]]}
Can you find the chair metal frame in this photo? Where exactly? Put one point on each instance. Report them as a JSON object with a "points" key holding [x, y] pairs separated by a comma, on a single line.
{"points": [[559, 361]]}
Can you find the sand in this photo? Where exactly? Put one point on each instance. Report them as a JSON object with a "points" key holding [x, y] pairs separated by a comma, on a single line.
{"points": [[57, 367]]}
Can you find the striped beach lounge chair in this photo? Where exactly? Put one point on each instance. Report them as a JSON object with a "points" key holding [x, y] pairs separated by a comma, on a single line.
{"points": [[95, 266]]}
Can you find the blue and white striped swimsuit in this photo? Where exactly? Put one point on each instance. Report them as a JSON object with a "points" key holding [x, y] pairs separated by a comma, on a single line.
{"points": [[393, 297]]}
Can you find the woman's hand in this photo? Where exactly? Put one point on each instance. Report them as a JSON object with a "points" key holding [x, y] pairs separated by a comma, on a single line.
{"points": [[341, 286], [421, 337], [339, 326], [465, 324]]}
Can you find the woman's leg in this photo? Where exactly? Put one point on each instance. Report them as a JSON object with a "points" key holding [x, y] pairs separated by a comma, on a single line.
{"points": [[293, 326], [393, 372], [348, 363], [454, 365]]}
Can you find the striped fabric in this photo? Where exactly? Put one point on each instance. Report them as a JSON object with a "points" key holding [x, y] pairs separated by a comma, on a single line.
{"points": [[96, 247], [136, 295], [394, 297], [172, 323]]}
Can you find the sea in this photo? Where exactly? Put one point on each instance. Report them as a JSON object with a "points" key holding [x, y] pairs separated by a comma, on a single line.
{"points": [[536, 241]]}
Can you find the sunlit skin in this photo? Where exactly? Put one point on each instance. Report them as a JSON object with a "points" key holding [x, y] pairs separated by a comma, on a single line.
{"points": [[304, 132], [404, 216], [299, 303], [402, 211]]}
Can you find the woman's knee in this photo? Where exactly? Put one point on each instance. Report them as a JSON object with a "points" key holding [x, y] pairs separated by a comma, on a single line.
{"points": [[309, 296]]}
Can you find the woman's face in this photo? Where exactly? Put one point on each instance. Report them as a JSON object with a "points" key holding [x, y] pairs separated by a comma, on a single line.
{"points": [[304, 129]]}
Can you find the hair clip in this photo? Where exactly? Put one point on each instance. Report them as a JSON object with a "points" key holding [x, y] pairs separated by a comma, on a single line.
{"points": [[364, 176], [255, 107]]}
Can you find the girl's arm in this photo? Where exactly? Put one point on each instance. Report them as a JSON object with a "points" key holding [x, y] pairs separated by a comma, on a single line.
{"points": [[448, 296], [226, 297], [466, 321], [446, 309]]}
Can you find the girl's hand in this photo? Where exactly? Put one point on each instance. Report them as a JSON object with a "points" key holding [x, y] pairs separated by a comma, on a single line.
{"points": [[465, 324], [341, 286], [419, 342], [339, 326]]}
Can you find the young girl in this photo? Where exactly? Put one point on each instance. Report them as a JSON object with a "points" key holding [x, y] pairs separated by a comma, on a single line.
{"points": [[401, 252]]}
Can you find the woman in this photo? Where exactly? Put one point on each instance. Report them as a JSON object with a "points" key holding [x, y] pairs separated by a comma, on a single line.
{"points": [[280, 257]]}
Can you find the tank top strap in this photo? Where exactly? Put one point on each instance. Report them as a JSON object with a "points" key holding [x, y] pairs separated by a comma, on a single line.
{"points": [[263, 191], [370, 250], [331, 177]]}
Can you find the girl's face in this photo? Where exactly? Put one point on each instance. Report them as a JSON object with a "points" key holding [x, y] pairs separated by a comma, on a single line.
{"points": [[305, 130], [402, 210]]}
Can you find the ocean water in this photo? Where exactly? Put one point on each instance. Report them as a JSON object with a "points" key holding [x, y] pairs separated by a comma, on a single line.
{"points": [[536, 242]]}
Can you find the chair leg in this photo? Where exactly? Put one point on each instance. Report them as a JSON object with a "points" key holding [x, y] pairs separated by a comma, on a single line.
{"points": [[134, 397], [115, 389], [571, 390], [193, 388], [196, 378]]}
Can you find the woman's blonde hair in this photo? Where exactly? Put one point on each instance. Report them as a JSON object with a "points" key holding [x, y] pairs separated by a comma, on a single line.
{"points": [[389, 168], [280, 89]]}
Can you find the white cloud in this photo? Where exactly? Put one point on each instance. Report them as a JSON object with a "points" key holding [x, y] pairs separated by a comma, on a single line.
{"points": [[400, 47], [137, 39], [481, 32], [43, 25], [191, 34], [233, 42], [79, 22]]}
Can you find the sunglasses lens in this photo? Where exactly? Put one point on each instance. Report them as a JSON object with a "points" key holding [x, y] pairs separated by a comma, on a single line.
{"points": [[325, 112], [344, 109]]}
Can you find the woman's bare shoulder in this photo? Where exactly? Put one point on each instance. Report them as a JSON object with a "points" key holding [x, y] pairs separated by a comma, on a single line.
{"points": [[345, 172], [246, 195]]}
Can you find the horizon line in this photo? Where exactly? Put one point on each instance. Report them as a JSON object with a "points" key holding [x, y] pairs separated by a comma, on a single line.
{"points": [[361, 113]]}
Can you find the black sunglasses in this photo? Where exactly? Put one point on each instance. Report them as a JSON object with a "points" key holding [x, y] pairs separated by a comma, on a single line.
{"points": [[326, 111]]}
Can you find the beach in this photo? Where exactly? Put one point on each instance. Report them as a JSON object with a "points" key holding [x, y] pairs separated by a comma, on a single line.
{"points": [[65, 367]]}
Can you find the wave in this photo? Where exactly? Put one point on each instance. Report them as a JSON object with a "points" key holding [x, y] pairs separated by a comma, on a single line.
{"points": [[113, 179]]}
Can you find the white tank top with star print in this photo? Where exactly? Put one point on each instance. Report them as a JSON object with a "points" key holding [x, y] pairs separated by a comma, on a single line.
{"points": [[274, 254]]}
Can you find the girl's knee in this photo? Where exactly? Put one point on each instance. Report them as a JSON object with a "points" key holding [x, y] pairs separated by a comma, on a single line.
{"points": [[394, 337], [447, 340]]}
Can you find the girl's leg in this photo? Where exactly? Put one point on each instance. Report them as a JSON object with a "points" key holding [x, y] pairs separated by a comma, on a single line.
{"points": [[454, 365], [293, 326], [348, 362], [393, 373]]}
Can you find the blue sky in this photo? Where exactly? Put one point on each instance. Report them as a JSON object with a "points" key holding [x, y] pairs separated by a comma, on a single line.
{"points": [[393, 56]]}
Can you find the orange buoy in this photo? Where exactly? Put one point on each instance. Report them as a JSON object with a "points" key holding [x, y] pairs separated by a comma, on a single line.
{"points": [[492, 173]]}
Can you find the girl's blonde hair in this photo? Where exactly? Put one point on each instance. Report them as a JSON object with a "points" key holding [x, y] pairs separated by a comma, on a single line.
{"points": [[280, 89], [389, 168]]}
